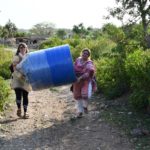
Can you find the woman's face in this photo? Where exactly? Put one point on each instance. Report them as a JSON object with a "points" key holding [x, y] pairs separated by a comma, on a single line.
{"points": [[22, 49], [85, 55]]}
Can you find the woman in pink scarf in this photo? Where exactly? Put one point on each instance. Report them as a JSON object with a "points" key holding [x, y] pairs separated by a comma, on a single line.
{"points": [[85, 84]]}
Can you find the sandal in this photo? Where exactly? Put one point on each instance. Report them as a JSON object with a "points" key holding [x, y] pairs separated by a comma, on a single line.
{"points": [[19, 112], [26, 116], [79, 115], [85, 110]]}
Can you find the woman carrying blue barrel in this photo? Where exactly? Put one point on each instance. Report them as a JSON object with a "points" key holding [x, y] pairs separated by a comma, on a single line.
{"points": [[85, 84], [18, 81]]}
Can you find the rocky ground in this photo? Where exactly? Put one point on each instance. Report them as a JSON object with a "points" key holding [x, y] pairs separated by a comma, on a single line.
{"points": [[51, 126]]}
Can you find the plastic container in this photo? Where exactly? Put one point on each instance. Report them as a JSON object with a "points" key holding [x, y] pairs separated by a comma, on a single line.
{"points": [[49, 67]]}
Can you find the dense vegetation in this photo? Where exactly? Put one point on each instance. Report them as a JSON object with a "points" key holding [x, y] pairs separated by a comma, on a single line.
{"points": [[5, 59], [122, 59], [122, 63], [121, 54]]}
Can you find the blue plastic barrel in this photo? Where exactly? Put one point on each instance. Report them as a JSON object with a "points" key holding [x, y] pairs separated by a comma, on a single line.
{"points": [[49, 67]]}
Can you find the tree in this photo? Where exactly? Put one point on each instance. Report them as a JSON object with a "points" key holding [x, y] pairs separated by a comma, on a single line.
{"points": [[134, 31], [4, 33], [80, 30], [9, 28], [1, 29], [61, 33], [21, 34], [135, 10], [44, 29], [113, 33]]}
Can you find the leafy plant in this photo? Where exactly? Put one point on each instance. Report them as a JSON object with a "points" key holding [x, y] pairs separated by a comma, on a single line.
{"points": [[5, 61], [4, 92], [137, 67], [111, 76]]}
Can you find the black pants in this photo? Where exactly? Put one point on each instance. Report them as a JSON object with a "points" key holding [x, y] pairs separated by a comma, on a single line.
{"points": [[19, 94]]}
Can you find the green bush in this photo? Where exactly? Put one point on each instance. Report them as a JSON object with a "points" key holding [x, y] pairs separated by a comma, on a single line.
{"points": [[5, 72], [125, 47], [52, 42], [5, 55], [5, 61], [139, 99], [111, 76], [137, 67], [134, 32], [72, 42], [4, 92], [114, 33], [98, 47]]}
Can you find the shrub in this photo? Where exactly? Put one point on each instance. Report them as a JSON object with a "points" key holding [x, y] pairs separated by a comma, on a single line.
{"points": [[137, 67], [111, 76], [52, 42], [139, 99], [4, 92], [114, 33], [5, 61], [98, 47], [72, 42], [5, 72]]}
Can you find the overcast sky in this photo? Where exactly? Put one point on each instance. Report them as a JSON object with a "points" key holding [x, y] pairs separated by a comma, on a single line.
{"points": [[63, 13]]}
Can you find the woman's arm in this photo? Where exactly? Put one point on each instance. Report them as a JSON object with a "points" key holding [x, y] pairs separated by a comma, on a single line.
{"points": [[89, 70], [15, 62]]}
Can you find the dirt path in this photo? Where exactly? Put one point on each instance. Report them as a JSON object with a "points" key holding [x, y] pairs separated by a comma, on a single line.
{"points": [[50, 126]]}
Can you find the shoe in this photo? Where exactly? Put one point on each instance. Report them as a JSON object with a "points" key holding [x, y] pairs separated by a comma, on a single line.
{"points": [[26, 115], [79, 115], [85, 110], [19, 112]]}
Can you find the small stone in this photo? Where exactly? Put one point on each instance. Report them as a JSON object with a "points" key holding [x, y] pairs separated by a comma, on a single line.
{"points": [[136, 132], [2, 136], [1, 117], [129, 113], [100, 120], [87, 128]]}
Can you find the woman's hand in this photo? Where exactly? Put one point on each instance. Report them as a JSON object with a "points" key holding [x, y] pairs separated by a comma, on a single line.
{"points": [[79, 79]]}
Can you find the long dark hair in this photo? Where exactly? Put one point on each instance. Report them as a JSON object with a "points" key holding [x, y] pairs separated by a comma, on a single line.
{"points": [[24, 45]]}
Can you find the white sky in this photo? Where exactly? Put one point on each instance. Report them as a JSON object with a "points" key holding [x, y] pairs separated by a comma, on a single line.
{"points": [[63, 13]]}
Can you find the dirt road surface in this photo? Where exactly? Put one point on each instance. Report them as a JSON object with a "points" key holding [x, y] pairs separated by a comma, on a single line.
{"points": [[51, 126]]}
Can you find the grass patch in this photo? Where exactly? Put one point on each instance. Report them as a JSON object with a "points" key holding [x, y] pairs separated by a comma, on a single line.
{"points": [[10, 100], [127, 119]]}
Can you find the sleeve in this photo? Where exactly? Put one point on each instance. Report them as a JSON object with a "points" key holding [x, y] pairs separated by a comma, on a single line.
{"points": [[90, 70], [15, 60], [76, 64]]}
